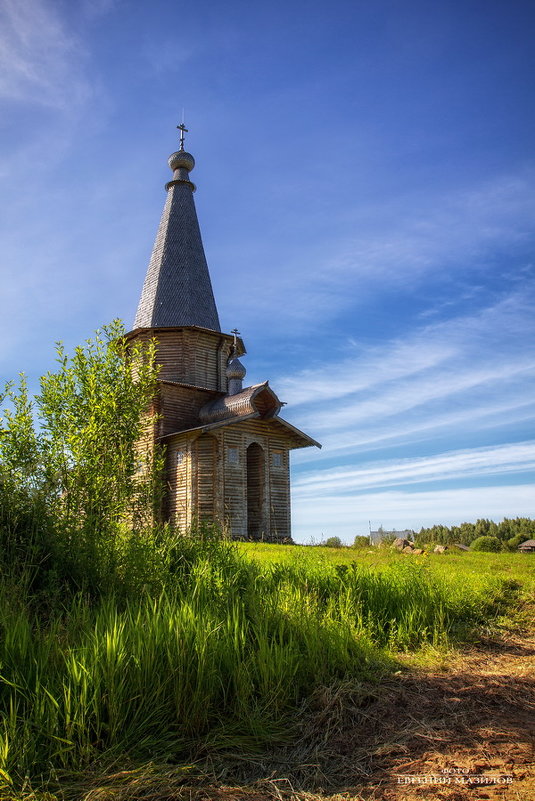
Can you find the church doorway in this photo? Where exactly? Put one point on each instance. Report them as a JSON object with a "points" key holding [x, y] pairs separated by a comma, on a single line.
{"points": [[255, 491]]}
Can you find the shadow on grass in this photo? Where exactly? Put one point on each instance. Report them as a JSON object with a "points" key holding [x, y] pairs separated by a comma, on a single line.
{"points": [[364, 741]]}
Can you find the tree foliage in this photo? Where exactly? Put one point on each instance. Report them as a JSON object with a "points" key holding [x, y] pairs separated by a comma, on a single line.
{"points": [[75, 475], [486, 543], [466, 533], [333, 542]]}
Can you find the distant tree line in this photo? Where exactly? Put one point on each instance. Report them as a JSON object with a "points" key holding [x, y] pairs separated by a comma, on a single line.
{"points": [[484, 534], [510, 533]]}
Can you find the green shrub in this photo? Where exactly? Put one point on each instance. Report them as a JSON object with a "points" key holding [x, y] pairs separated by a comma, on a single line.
{"points": [[333, 542], [514, 542], [361, 541], [489, 544], [78, 495]]}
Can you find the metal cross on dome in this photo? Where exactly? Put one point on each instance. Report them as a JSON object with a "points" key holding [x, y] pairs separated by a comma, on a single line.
{"points": [[236, 334], [182, 128]]}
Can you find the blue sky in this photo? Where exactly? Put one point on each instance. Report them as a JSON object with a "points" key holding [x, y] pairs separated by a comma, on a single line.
{"points": [[365, 178]]}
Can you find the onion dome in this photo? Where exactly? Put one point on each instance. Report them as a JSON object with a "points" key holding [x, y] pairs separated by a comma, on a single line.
{"points": [[235, 373], [181, 159], [235, 369], [181, 162]]}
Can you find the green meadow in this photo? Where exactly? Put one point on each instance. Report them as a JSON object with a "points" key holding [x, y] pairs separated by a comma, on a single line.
{"points": [[221, 657], [475, 567], [126, 646]]}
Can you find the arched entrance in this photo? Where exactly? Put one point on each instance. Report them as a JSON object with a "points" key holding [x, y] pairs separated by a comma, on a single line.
{"points": [[255, 491]]}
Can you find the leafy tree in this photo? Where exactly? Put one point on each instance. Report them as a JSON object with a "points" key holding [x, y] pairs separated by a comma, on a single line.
{"points": [[73, 467], [333, 542], [486, 543], [466, 533], [361, 541], [514, 542]]}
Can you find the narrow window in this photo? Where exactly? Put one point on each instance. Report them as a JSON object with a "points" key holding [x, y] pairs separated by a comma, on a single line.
{"points": [[179, 457], [232, 456], [276, 458]]}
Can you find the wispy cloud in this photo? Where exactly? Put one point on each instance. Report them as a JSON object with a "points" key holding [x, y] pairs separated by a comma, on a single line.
{"points": [[400, 245], [468, 463], [346, 515], [460, 227], [421, 392], [93, 9], [425, 426], [168, 56], [365, 369], [475, 370], [41, 62], [471, 373]]}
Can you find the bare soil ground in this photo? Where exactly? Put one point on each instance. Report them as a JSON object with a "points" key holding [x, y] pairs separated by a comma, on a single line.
{"points": [[465, 731]]}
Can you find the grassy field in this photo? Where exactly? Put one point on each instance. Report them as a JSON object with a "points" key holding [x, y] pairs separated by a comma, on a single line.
{"points": [[223, 660], [518, 565], [458, 567]]}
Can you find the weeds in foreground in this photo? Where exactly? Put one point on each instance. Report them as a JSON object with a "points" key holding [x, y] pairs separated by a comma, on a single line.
{"points": [[124, 643], [218, 660]]}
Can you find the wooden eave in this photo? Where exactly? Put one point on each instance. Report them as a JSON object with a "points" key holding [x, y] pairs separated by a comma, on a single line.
{"points": [[210, 426], [189, 386], [307, 441], [304, 440], [158, 329]]}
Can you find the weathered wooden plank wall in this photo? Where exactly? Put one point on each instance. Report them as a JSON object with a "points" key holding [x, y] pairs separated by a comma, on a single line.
{"points": [[205, 477], [180, 407], [191, 356]]}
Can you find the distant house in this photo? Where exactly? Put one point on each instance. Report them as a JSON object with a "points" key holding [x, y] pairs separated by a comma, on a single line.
{"points": [[381, 534], [527, 546]]}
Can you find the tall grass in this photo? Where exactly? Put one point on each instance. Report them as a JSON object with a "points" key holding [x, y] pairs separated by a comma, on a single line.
{"points": [[218, 659]]}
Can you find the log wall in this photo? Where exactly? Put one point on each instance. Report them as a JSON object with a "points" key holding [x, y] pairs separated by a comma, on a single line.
{"points": [[191, 356], [208, 479], [179, 407], [209, 476], [179, 473]]}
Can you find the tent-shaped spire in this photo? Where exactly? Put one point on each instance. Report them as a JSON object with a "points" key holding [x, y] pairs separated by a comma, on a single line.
{"points": [[177, 290]]}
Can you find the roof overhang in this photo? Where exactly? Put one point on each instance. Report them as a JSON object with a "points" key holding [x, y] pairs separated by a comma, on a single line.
{"points": [[209, 426], [258, 398], [303, 440], [154, 331], [182, 384]]}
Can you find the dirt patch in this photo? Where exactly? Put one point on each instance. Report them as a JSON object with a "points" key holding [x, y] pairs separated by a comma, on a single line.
{"points": [[464, 732]]}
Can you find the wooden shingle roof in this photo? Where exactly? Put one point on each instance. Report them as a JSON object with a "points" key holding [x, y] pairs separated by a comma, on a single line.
{"points": [[298, 438], [258, 399], [177, 289]]}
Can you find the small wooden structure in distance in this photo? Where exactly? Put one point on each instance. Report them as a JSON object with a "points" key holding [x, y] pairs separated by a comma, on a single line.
{"points": [[227, 448]]}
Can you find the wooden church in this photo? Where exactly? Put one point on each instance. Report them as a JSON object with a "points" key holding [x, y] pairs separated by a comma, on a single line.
{"points": [[227, 448]]}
